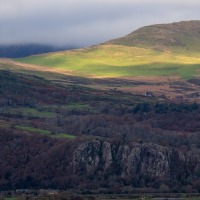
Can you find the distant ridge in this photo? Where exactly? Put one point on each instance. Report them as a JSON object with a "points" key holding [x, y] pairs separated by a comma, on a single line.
{"points": [[184, 35], [23, 50]]}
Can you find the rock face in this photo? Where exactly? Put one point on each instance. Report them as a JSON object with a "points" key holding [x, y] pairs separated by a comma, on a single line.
{"points": [[86, 158], [146, 159], [40, 162]]}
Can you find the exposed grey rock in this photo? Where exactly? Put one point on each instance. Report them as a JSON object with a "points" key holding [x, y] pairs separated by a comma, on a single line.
{"points": [[107, 154], [86, 157], [150, 160]]}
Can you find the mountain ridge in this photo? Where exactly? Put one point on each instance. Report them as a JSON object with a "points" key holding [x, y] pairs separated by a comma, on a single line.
{"points": [[23, 50], [184, 34]]}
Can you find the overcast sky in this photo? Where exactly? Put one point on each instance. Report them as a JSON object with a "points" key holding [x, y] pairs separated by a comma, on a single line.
{"points": [[85, 22]]}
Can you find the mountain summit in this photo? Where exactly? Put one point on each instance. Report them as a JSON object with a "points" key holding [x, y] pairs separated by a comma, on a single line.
{"points": [[184, 35]]}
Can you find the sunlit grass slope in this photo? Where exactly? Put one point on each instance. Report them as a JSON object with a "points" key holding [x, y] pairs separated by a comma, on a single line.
{"points": [[110, 60]]}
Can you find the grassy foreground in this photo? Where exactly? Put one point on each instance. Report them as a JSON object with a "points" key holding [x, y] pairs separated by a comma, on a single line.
{"points": [[119, 61]]}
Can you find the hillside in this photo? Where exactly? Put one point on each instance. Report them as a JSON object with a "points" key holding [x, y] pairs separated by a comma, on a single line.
{"points": [[157, 50], [96, 166], [61, 134], [179, 36]]}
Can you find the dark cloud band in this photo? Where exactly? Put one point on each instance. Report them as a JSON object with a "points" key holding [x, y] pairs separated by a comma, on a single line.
{"points": [[85, 22]]}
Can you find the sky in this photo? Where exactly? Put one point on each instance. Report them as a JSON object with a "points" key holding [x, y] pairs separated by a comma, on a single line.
{"points": [[83, 23]]}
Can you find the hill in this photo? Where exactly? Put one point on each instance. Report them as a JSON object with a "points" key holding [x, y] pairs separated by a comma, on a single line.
{"points": [[178, 36], [157, 50]]}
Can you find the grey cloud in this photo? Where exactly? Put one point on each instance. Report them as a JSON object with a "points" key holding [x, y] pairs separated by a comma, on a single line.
{"points": [[85, 22]]}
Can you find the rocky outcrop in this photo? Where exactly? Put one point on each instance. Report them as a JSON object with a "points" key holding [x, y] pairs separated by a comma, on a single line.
{"points": [[86, 158], [146, 159], [42, 162]]}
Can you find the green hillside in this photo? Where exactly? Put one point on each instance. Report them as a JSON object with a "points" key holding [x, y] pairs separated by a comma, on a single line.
{"points": [[159, 50], [177, 37]]}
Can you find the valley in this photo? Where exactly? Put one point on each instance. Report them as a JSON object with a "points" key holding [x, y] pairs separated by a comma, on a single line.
{"points": [[119, 117]]}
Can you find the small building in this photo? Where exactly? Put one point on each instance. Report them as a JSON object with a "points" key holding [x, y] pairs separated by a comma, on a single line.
{"points": [[149, 94]]}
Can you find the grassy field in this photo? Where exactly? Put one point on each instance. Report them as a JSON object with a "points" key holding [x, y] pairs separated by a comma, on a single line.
{"points": [[119, 61], [45, 132], [27, 112]]}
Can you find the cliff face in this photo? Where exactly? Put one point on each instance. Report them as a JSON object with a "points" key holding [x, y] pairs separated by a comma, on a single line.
{"points": [[39, 162], [129, 160]]}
